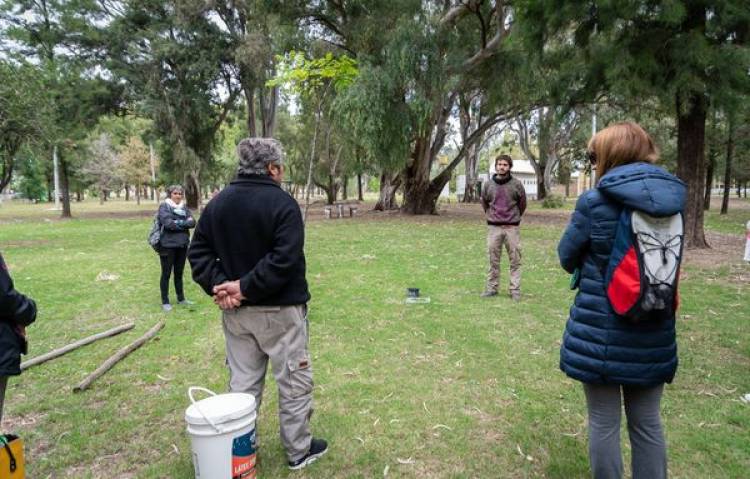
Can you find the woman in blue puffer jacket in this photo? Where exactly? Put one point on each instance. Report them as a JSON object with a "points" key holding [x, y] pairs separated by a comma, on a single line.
{"points": [[614, 358]]}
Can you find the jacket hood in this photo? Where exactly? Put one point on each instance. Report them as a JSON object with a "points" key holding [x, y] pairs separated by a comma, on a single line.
{"points": [[644, 187]]}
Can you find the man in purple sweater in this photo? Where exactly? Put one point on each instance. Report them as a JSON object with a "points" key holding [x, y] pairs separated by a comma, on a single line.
{"points": [[504, 202]]}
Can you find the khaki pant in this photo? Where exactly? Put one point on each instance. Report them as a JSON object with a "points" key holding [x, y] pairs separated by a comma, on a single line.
{"points": [[255, 334], [510, 237]]}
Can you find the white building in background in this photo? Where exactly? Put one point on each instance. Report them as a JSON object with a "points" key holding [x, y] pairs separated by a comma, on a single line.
{"points": [[523, 172], [460, 186], [446, 193]]}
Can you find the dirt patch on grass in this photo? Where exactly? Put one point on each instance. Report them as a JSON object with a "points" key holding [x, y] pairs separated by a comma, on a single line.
{"points": [[468, 212], [102, 468], [726, 249], [12, 423]]}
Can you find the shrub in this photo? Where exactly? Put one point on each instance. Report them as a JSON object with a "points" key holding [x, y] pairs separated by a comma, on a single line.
{"points": [[553, 201]]}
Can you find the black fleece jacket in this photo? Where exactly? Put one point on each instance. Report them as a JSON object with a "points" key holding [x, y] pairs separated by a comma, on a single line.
{"points": [[252, 231], [15, 310]]}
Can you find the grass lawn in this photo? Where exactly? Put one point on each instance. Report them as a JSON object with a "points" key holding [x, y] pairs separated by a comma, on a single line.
{"points": [[460, 387]]}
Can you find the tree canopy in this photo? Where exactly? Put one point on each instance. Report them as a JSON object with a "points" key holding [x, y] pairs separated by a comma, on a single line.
{"points": [[365, 86]]}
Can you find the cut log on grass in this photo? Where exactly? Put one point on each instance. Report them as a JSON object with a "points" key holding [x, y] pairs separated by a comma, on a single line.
{"points": [[107, 365], [70, 347]]}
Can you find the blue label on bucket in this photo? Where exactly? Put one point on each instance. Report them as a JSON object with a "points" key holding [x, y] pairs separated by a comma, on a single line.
{"points": [[243, 456]]}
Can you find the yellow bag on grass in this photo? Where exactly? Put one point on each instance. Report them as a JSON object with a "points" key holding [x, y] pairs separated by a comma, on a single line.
{"points": [[11, 457]]}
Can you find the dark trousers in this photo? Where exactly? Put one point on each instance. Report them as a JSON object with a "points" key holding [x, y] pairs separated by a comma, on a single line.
{"points": [[172, 259], [649, 450]]}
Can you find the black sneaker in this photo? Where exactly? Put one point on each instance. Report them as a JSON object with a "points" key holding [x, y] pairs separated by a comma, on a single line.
{"points": [[318, 447]]}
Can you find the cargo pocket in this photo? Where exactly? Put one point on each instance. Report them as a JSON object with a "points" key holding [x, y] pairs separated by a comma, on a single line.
{"points": [[300, 374]]}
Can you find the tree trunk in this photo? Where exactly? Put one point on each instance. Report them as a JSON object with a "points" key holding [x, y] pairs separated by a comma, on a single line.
{"points": [[712, 154], [541, 191], [331, 189], [388, 188], [709, 177], [138, 195], [418, 199], [192, 191], [344, 192], [691, 165], [127, 192], [65, 189], [421, 194], [249, 91], [268, 100], [545, 139], [471, 164], [359, 187], [102, 196], [728, 166]]}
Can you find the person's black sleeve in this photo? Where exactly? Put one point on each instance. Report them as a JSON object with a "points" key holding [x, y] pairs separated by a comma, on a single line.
{"points": [[14, 307], [281, 264], [204, 262]]}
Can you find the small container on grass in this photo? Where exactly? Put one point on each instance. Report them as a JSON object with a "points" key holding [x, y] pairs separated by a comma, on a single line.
{"points": [[413, 297]]}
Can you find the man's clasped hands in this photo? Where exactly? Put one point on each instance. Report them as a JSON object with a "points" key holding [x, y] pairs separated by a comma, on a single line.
{"points": [[228, 295]]}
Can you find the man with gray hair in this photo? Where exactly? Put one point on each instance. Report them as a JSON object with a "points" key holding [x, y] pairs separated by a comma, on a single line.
{"points": [[247, 253]]}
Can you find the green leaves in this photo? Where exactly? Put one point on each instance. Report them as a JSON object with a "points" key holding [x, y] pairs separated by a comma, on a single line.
{"points": [[310, 77]]}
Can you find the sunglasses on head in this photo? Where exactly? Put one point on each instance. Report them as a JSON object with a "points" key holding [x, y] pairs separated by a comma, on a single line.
{"points": [[591, 156]]}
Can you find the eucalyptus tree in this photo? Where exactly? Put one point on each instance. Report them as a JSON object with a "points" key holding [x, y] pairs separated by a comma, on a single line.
{"points": [[472, 112], [687, 54], [411, 77], [552, 129], [257, 32], [316, 82]]}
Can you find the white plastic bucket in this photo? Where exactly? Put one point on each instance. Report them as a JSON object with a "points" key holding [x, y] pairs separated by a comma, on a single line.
{"points": [[222, 434]]}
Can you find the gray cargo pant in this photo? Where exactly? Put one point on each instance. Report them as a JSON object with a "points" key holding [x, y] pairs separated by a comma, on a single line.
{"points": [[649, 451], [497, 237], [255, 334]]}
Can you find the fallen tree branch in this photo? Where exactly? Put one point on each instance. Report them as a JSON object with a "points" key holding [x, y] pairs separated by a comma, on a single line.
{"points": [[70, 347], [107, 365]]}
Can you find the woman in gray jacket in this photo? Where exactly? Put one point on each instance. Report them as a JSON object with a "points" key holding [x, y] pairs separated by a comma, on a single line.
{"points": [[176, 220]]}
